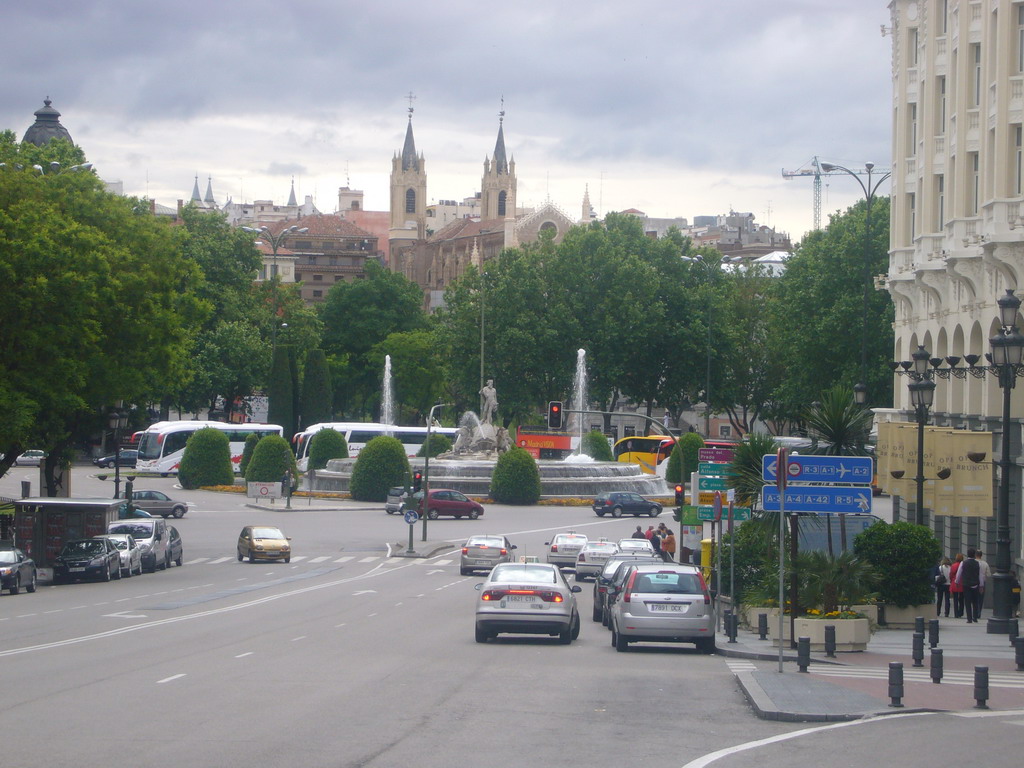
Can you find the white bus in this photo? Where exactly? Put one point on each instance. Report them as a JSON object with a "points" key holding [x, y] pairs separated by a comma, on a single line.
{"points": [[163, 444], [358, 434]]}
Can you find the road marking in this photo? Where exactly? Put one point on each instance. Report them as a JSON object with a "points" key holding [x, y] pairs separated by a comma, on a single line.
{"points": [[124, 615], [369, 559], [243, 655], [364, 592], [318, 559], [196, 561], [344, 559], [741, 666], [300, 637], [169, 679], [996, 680], [444, 562], [219, 560], [297, 558], [25, 615]]}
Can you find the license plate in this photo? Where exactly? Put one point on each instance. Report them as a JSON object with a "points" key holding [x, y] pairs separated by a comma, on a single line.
{"points": [[519, 599], [666, 607], [77, 570]]}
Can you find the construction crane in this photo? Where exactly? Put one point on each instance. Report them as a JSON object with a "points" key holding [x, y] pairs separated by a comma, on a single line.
{"points": [[817, 169]]}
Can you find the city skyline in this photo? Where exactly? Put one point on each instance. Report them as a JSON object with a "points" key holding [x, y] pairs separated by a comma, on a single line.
{"points": [[678, 110]]}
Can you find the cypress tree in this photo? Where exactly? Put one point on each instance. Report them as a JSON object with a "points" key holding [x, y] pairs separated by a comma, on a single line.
{"points": [[280, 394], [317, 396]]}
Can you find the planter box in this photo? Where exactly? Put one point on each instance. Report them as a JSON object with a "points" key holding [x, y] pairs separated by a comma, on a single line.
{"points": [[851, 634], [903, 618], [749, 613]]}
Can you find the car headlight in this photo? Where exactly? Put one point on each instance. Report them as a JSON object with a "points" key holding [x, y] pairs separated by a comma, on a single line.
{"points": [[97, 561], [6, 571], [144, 548]]}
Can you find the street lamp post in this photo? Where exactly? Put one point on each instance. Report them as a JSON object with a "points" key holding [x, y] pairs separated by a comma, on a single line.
{"points": [[117, 419], [483, 293], [426, 465], [922, 395], [707, 371], [860, 391]]}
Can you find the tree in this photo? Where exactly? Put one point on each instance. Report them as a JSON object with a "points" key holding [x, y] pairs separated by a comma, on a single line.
{"points": [[516, 478], [840, 425], [207, 460], [317, 398], [271, 458], [904, 553], [325, 445], [381, 464], [417, 371], [280, 392]]}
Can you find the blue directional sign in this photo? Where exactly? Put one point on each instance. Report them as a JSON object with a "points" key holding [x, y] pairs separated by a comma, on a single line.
{"points": [[820, 469], [411, 516], [847, 499]]}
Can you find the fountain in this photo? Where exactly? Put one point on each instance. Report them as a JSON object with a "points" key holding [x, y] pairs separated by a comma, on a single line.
{"points": [[387, 401], [580, 399]]}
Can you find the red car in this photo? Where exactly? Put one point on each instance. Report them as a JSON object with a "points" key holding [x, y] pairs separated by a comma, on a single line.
{"points": [[444, 501]]}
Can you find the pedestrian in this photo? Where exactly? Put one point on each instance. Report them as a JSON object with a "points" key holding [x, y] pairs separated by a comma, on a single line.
{"points": [[668, 546], [649, 532], [662, 530], [942, 586], [655, 542], [1015, 592], [956, 591], [986, 576], [638, 533], [970, 577]]}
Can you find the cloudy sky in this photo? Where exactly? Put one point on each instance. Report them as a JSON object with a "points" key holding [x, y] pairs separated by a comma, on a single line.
{"points": [[675, 107]]}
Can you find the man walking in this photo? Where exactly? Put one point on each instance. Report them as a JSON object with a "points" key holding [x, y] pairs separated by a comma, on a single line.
{"points": [[970, 577]]}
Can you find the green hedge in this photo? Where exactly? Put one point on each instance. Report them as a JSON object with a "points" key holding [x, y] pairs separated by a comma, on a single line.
{"points": [[516, 479], [325, 445], [207, 460], [438, 444], [382, 464], [903, 553], [595, 445], [271, 458]]}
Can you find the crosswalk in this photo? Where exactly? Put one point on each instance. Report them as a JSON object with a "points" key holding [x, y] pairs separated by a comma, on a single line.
{"points": [[384, 559]]}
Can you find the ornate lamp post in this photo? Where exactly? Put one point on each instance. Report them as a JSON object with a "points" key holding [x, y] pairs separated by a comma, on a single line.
{"points": [[922, 395], [118, 420]]}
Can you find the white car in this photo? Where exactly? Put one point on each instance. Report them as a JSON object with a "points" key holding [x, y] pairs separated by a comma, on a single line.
{"points": [[129, 551], [642, 546], [593, 556], [564, 548], [527, 598], [30, 459]]}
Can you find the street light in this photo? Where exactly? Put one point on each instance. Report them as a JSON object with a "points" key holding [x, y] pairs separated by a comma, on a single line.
{"points": [[922, 395], [483, 293], [860, 391], [117, 419], [276, 240], [426, 465]]}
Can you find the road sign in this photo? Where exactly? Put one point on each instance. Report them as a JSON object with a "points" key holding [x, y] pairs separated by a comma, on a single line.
{"points": [[255, 490], [847, 499], [411, 516], [713, 468], [706, 497], [715, 454], [820, 469], [712, 483], [707, 512]]}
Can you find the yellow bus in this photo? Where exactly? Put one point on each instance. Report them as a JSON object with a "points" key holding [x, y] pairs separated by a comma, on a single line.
{"points": [[647, 451]]}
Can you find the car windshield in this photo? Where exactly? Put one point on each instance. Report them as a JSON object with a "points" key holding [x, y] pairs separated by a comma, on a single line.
{"points": [[267, 533], [601, 546], [83, 548], [138, 530], [570, 538], [523, 574], [485, 541], [667, 583], [8, 556], [119, 542], [396, 491]]}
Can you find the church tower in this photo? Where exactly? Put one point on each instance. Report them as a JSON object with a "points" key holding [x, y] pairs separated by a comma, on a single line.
{"points": [[408, 192], [498, 187]]}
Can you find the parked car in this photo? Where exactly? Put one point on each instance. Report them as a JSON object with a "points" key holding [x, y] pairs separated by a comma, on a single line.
{"points": [[129, 550], [30, 459], [158, 503], [444, 501], [616, 503], [151, 535], [603, 581], [263, 542], [635, 545], [564, 547], [87, 559], [395, 500], [592, 558], [175, 549], [484, 551], [527, 598], [126, 458], [667, 603], [17, 570]]}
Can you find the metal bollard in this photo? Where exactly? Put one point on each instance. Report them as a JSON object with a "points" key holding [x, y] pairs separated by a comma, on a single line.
{"points": [[762, 626], [830, 640], [1014, 631], [919, 624], [727, 622], [933, 633], [1018, 654], [735, 627], [803, 653], [917, 652], [936, 665], [981, 687], [896, 683]]}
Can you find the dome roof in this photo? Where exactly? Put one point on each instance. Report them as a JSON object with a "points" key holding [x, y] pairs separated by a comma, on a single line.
{"points": [[46, 127]]}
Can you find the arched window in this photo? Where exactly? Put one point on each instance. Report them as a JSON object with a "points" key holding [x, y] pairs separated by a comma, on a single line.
{"points": [[548, 225], [410, 201], [502, 196]]}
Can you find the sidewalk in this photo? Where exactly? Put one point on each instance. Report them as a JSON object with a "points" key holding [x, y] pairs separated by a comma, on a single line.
{"points": [[855, 685]]}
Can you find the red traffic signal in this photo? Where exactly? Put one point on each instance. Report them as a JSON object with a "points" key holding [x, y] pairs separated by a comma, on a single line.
{"points": [[417, 481], [555, 414], [680, 496]]}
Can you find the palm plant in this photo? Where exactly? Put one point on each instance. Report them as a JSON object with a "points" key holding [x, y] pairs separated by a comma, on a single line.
{"points": [[744, 473], [835, 582], [839, 424]]}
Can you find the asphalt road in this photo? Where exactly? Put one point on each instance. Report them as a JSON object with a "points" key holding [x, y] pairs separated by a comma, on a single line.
{"points": [[346, 658]]}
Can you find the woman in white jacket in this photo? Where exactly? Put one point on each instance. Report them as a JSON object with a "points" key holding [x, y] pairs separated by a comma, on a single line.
{"points": [[942, 579]]}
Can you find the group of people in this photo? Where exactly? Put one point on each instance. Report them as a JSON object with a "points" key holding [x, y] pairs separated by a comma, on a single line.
{"points": [[962, 581], [662, 539]]}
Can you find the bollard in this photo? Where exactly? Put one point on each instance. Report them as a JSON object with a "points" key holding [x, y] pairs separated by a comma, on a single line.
{"points": [[830, 640], [735, 627], [1014, 630], [762, 626], [919, 624], [896, 683], [917, 653], [727, 622], [981, 687], [803, 653], [933, 633], [936, 665], [1018, 654]]}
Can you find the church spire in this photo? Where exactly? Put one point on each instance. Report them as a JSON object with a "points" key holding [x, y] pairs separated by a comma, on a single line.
{"points": [[291, 197], [209, 190], [409, 160], [500, 160], [195, 191]]}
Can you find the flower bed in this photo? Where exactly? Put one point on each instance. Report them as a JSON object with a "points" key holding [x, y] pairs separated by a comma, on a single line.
{"points": [[852, 634]]}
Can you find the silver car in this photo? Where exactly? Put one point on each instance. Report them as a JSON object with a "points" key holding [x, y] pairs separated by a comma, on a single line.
{"points": [[592, 558], [667, 603], [484, 551], [129, 551], [527, 598], [564, 548], [396, 499], [639, 546]]}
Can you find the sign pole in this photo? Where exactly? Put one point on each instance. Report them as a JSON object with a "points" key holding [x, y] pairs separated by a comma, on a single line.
{"points": [[781, 474]]}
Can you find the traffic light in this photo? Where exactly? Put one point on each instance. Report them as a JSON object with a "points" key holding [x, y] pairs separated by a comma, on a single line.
{"points": [[555, 414], [680, 497], [417, 481]]}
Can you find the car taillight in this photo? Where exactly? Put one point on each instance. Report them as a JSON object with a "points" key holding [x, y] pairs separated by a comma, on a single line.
{"points": [[493, 594], [629, 587], [607, 502], [554, 547], [504, 551], [704, 586], [582, 558], [465, 550]]}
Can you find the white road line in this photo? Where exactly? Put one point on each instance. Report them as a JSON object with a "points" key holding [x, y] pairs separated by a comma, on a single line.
{"points": [[369, 559], [243, 655], [196, 561], [219, 560], [318, 559], [169, 679], [344, 559], [444, 562], [297, 558], [300, 637]]}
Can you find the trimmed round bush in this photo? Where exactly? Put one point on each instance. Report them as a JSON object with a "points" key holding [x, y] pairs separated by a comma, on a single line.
{"points": [[674, 469], [325, 445], [690, 445], [250, 445], [595, 445], [382, 464], [516, 479], [904, 554], [207, 460], [271, 458], [438, 444]]}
